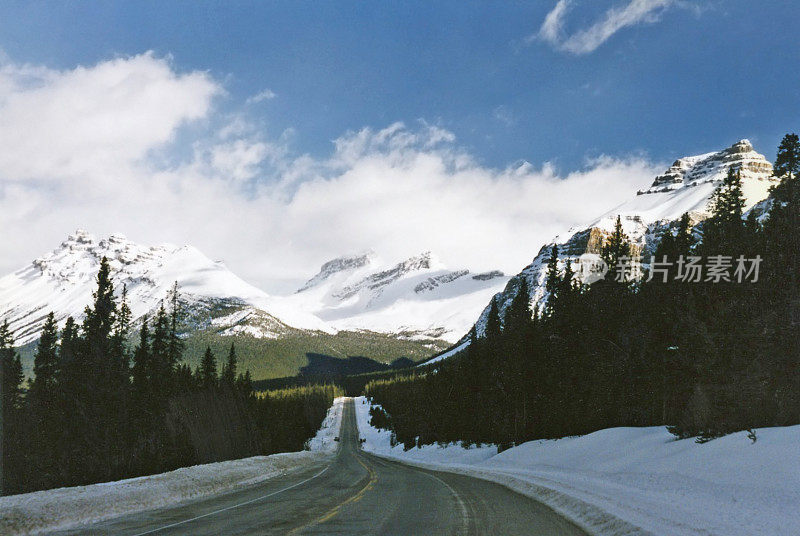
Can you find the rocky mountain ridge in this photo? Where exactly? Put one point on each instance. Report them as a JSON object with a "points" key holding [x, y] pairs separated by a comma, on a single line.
{"points": [[685, 187]]}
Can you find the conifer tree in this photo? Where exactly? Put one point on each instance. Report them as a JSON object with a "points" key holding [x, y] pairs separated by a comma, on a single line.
{"points": [[101, 316], [176, 345], [45, 366], [207, 372], [553, 274], [518, 315], [684, 239], [568, 288], [616, 246], [43, 405], [787, 162], [161, 354], [69, 371], [228, 376], [494, 327], [723, 231], [11, 379], [552, 282], [142, 367]]}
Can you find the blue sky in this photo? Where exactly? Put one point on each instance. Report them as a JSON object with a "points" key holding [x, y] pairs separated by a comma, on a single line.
{"points": [[476, 130], [692, 81]]}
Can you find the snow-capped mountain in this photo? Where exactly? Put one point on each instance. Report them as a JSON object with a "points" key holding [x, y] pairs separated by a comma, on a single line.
{"points": [[418, 297], [415, 299], [686, 187], [63, 280]]}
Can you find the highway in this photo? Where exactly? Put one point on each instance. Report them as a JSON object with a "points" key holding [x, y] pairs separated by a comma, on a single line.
{"points": [[355, 494]]}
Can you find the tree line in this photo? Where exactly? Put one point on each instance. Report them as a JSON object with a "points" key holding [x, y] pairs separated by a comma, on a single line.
{"points": [[99, 408], [703, 357]]}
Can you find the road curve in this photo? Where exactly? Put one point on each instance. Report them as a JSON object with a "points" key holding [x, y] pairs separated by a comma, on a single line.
{"points": [[355, 494]]}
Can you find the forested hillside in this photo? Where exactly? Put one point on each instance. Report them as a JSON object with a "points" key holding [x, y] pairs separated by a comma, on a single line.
{"points": [[98, 409], [705, 350]]}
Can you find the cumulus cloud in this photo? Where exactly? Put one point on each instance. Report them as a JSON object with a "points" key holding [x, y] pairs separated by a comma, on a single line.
{"points": [[133, 145], [589, 39], [265, 95]]}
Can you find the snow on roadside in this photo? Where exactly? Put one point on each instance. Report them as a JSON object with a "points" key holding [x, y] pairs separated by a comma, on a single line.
{"points": [[324, 440], [638, 480], [44, 511]]}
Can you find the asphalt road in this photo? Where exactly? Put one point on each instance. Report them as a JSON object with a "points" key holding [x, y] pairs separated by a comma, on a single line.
{"points": [[356, 494]]}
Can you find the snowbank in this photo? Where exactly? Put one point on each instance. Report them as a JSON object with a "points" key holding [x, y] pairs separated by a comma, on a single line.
{"points": [[639, 480], [324, 440], [42, 511]]}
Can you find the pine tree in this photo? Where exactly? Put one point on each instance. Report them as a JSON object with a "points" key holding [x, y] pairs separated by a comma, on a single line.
{"points": [[727, 203], [142, 367], [11, 370], [684, 239], [162, 365], [494, 327], [176, 345], [101, 316], [723, 231], [568, 286], [552, 282], [103, 367], [208, 370], [519, 314], [43, 405], [553, 274], [616, 246], [787, 162], [11, 379], [228, 376], [45, 365]]}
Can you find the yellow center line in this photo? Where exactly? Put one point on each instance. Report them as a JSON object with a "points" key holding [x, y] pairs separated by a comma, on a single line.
{"points": [[330, 514]]}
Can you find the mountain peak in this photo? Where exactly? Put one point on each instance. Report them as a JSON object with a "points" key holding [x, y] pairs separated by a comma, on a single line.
{"points": [[691, 171], [345, 263], [80, 236], [424, 261]]}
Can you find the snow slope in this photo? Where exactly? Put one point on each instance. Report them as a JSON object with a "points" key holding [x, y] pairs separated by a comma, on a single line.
{"points": [[44, 511], [63, 280], [686, 187], [638, 480], [418, 297]]}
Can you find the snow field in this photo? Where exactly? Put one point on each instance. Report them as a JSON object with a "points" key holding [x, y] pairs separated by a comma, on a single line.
{"points": [[625, 481], [44, 511]]}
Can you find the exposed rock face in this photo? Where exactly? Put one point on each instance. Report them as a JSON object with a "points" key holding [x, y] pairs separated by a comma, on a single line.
{"points": [[487, 276], [433, 282], [335, 266], [686, 187], [375, 282], [711, 167]]}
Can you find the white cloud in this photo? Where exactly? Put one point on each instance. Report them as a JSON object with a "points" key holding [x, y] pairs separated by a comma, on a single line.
{"points": [[504, 114], [589, 39], [132, 145], [265, 95]]}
